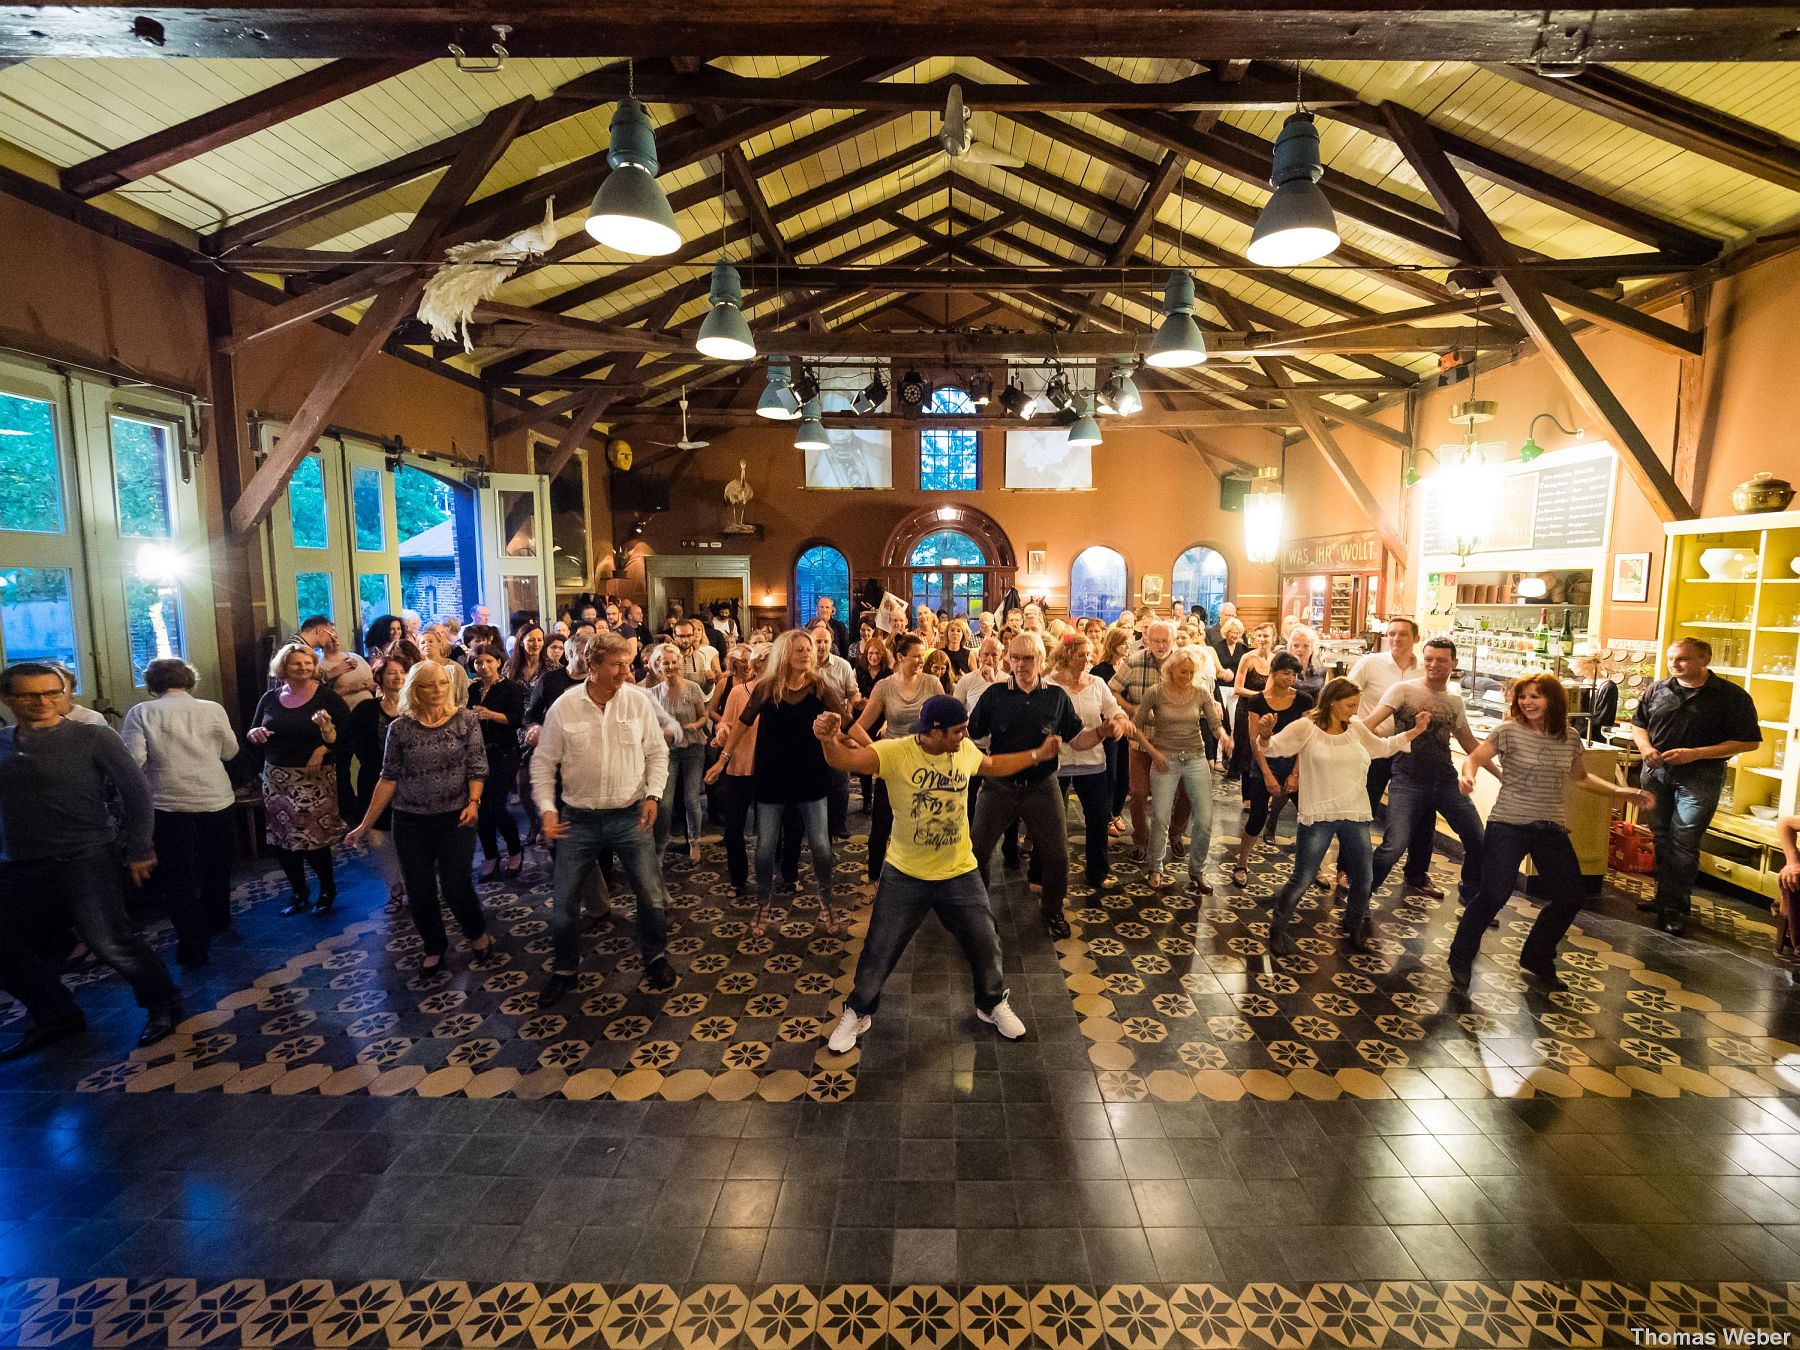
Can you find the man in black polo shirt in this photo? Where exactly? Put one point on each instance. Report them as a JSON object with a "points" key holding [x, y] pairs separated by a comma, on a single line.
{"points": [[1686, 727], [1018, 715]]}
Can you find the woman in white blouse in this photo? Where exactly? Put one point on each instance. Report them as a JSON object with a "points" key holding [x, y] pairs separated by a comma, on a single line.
{"points": [[1334, 750], [182, 742], [1085, 770]]}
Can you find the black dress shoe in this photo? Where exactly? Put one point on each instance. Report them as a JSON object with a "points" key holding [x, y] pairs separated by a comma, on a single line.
{"points": [[1359, 935], [554, 988], [1057, 926], [161, 1024], [659, 976], [326, 904], [1281, 942], [1674, 927], [1545, 976], [1427, 887], [1460, 977], [36, 1038], [298, 905]]}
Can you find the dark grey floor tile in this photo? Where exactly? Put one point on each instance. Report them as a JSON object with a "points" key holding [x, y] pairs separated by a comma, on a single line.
{"points": [[795, 1256], [729, 1256], [1184, 1255], [860, 1256], [1119, 1256], [923, 1256]]}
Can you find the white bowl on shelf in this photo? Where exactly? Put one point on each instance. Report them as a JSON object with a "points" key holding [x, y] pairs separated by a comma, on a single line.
{"points": [[1723, 564], [1764, 812], [1794, 567]]}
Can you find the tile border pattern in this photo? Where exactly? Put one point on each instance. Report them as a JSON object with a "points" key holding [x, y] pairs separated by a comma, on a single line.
{"points": [[251, 1312]]}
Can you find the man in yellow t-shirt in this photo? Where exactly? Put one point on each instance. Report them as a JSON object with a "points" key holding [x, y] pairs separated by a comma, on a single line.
{"points": [[930, 864]]}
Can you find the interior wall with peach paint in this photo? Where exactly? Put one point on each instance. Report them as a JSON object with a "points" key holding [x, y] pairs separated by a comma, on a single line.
{"points": [[1153, 497]]}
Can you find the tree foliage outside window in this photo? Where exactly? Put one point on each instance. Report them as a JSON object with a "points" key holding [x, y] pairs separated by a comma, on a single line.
{"points": [[1200, 577], [1098, 584], [372, 596], [365, 505], [949, 461], [821, 573], [421, 500], [30, 471], [312, 594], [141, 472], [946, 548], [306, 504], [37, 615]]}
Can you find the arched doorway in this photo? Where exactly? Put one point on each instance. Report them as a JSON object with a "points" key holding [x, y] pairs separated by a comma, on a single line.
{"points": [[953, 558]]}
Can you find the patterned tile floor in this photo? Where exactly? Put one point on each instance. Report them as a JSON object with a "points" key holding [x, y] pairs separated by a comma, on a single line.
{"points": [[1195, 1145]]}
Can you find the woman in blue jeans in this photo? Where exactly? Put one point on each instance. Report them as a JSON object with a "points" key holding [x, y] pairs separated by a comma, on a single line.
{"points": [[1171, 725], [1540, 756], [1334, 751], [684, 701], [789, 768]]}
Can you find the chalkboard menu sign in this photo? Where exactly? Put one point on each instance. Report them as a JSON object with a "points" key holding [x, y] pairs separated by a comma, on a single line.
{"points": [[1564, 506]]}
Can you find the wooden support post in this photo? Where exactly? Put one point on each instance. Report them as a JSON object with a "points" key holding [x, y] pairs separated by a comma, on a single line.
{"points": [[237, 575], [1598, 405], [1690, 401]]}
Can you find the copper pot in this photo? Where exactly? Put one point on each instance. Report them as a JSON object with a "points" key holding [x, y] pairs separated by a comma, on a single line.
{"points": [[1762, 492]]}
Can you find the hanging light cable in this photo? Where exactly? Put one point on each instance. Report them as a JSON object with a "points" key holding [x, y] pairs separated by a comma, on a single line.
{"points": [[630, 212]]}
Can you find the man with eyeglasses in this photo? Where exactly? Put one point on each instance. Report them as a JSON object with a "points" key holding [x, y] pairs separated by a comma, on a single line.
{"points": [[59, 849]]}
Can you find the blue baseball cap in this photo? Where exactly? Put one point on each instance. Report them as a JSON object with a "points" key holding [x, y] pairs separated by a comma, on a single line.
{"points": [[940, 713]]}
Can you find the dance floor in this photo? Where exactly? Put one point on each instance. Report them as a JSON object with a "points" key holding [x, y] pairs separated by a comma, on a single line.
{"points": [[1196, 1144]]}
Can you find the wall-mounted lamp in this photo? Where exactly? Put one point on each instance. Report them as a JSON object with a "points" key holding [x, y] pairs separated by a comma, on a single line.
{"points": [[1531, 449]]}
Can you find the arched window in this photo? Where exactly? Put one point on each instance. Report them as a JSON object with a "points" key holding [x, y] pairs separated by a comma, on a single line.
{"points": [[1200, 578], [821, 573], [949, 461], [1098, 585], [946, 548]]}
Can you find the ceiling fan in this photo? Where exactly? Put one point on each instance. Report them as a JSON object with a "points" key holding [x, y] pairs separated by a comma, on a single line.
{"points": [[957, 137], [685, 443]]}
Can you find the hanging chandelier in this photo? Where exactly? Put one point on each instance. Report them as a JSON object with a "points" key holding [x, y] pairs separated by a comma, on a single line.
{"points": [[1263, 508]]}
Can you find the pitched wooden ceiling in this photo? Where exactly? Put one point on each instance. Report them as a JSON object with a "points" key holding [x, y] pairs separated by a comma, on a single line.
{"points": [[822, 178]]}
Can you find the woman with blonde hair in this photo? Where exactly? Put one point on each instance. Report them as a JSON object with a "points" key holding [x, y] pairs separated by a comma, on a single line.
{"points": [[958, 648], [1169, 727], [433, 770], [1086, 771], [685, 704], [789, 768], [297, 725]]}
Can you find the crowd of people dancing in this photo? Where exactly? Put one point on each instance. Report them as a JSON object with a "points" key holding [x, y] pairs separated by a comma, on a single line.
{"points": [[620, 739]]}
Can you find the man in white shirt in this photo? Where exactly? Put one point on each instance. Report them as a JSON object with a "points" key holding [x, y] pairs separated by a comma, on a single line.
{"points": [[69, 708], [1425, 782], [182, 742], [605, 739], [1375, 673]]}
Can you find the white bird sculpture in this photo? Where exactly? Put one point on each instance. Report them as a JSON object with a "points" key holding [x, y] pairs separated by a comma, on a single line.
{"points": [[475, 272], [738, 493]]}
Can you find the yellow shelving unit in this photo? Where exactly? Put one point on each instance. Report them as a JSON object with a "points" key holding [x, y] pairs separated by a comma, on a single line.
{"points": [[1753, 624]]}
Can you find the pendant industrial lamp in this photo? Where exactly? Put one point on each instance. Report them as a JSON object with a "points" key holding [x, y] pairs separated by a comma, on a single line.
{"points": [[1263, 508], [1084, 430], [811, 434], [725, 336], [630, 212], [778, 402], [1179, 341], [1296, 225]]}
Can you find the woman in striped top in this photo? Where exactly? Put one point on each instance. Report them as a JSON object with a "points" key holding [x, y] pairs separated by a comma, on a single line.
{"points": [[1539, 757]]}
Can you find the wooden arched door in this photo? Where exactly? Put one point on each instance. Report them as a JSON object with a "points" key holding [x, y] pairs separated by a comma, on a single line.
{"points": [[953, 558]]}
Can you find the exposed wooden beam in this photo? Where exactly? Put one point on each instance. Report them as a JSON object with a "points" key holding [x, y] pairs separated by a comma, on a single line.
{"points": [[1143, 215], [448, 196], [1147, 420], [1200, 30], [1668, 116], [542, 413], [594, 404], [222, 125], [1691, 405], [302, 433], [1659, 333], [1332, 412], [723, 89], [1599, 406], [539, 384]]}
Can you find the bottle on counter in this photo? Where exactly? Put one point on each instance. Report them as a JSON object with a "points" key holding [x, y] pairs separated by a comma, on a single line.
{"points": [[1541, 637]]}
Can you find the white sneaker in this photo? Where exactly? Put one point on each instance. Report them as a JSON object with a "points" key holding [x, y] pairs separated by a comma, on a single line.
{"points": [[849, 1027], [1004, 1020]]}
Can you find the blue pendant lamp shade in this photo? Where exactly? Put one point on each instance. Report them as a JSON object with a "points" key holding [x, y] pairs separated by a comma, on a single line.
{"points": [[811, 434], [1296, 225], [1179, 341], [778, 402], [1084, 430], [724, 335], [630, 213]]}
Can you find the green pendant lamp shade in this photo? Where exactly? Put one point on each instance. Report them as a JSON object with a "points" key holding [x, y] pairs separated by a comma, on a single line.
{"points": [[725, 336], [630, 212], [811, 435], [1084, 430], [1179, 341], [778, 402], [1296, 225]]}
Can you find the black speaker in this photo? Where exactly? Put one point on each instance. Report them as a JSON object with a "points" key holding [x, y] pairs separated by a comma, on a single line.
{"points": [[1233, 488], [640, 493]]}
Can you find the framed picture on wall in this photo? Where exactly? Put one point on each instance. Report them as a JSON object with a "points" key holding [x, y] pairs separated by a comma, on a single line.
{"points": [[1153, 589], [1631, 577], [1035, 560]]}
